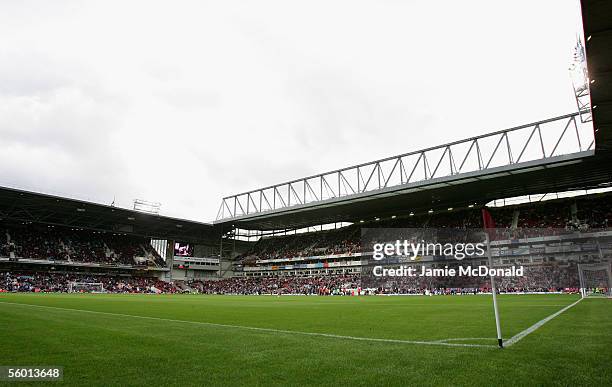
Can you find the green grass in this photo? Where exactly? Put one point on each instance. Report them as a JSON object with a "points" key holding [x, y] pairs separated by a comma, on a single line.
{"points": [[106, 349]]}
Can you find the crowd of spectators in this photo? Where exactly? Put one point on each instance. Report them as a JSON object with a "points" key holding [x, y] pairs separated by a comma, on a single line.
{"points": [[55, 243], [537, 278], [545, 218], [60, 282], [318, 285], [339, 241]]}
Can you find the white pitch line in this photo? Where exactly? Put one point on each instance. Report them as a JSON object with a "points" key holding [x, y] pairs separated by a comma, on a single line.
{"points": [[465, 339], [269, 330], [521, 335]]}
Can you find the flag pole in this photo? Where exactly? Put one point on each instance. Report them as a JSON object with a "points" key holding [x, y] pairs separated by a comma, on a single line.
{"points": [[500, 341], [488, 223]]}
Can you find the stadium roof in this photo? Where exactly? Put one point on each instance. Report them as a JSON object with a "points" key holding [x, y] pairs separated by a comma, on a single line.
{"points": [[575, 172], [24, 206], [597, 24]]}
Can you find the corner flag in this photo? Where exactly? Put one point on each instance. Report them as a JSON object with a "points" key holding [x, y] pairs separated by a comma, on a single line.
{"points": [[488, 223], [487, 219]]}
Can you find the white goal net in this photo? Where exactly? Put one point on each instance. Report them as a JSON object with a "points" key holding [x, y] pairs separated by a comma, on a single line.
{"points": [[85, 287], [595, 280]]}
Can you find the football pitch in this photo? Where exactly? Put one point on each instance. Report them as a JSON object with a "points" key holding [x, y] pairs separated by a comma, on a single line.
{"points": [[291, 340]]}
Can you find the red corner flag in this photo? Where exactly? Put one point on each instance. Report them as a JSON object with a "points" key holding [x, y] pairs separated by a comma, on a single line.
{"points": [[487, 219]]}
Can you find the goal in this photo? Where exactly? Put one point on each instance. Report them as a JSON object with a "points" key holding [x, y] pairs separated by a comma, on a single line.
{"points": [[595, 280], [85, 287]]}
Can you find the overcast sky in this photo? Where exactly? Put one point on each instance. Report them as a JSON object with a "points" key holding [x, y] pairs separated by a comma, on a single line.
{"points": [[186, 102]]}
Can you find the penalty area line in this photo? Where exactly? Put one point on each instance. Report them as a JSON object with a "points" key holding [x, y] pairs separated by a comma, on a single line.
{"points": [[258, 329], [521, 335]]}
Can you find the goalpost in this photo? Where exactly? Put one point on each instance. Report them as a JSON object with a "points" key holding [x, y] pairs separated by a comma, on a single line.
{"points": [[595, 280], [85, 287]]}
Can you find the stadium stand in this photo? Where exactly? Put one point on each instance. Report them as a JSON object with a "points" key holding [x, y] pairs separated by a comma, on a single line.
{"points": [[54, 243], [332, 256], [568, 213]]}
